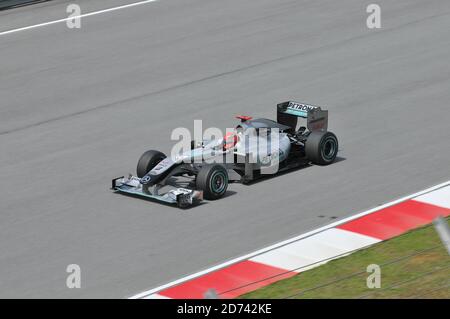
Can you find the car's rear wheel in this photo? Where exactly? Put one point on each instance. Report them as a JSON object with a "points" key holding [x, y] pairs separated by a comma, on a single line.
{"points": [[148, 161], [212, 180], [321, 147]]}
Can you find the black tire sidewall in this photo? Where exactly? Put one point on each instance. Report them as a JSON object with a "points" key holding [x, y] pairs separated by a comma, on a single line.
{"points": [[315, 145], [148, 161], [204, 180], [326, 138]]}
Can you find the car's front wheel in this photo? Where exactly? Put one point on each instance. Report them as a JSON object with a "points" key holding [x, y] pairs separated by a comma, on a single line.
{"points": [[148, 161], [212, 180]]}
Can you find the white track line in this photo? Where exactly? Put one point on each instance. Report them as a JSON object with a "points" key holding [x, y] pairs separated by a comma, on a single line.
{"points": [[286, 242], [77, 17]]}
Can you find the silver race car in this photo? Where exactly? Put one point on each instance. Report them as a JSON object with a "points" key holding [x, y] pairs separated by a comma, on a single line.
{"points": [[256, 147]]}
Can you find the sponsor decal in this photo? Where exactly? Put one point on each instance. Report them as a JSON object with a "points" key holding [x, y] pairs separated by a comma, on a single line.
{"points": [[301, 107], [145, 179]]}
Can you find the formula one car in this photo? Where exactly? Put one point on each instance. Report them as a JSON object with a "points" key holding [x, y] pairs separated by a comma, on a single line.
{"points": [[255, 147]]}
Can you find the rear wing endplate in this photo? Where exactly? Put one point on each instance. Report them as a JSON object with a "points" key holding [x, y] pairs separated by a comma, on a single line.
{"points": [[288, 112]]}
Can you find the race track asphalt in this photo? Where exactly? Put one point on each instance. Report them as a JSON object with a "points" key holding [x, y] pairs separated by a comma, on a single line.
{"points": [[78, 107]]}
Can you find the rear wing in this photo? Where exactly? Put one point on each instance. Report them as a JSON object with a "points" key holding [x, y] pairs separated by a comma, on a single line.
{"points": [[288, 113]]}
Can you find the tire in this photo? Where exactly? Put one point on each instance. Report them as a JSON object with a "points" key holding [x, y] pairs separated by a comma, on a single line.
{"points": [[213, 181], [321, 147], [147, 161]]}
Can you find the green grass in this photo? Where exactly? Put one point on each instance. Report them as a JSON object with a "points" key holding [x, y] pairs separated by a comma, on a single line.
{"points": [[414, 265]]}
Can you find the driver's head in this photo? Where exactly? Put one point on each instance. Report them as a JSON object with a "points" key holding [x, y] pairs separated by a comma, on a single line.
{"points": [[230, 140]]}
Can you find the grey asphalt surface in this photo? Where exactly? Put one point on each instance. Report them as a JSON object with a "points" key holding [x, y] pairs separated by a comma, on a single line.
{"points": [[78, 107]]}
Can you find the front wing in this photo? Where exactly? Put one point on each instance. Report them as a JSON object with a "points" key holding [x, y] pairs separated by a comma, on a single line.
{"points": [[182, 197]]}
